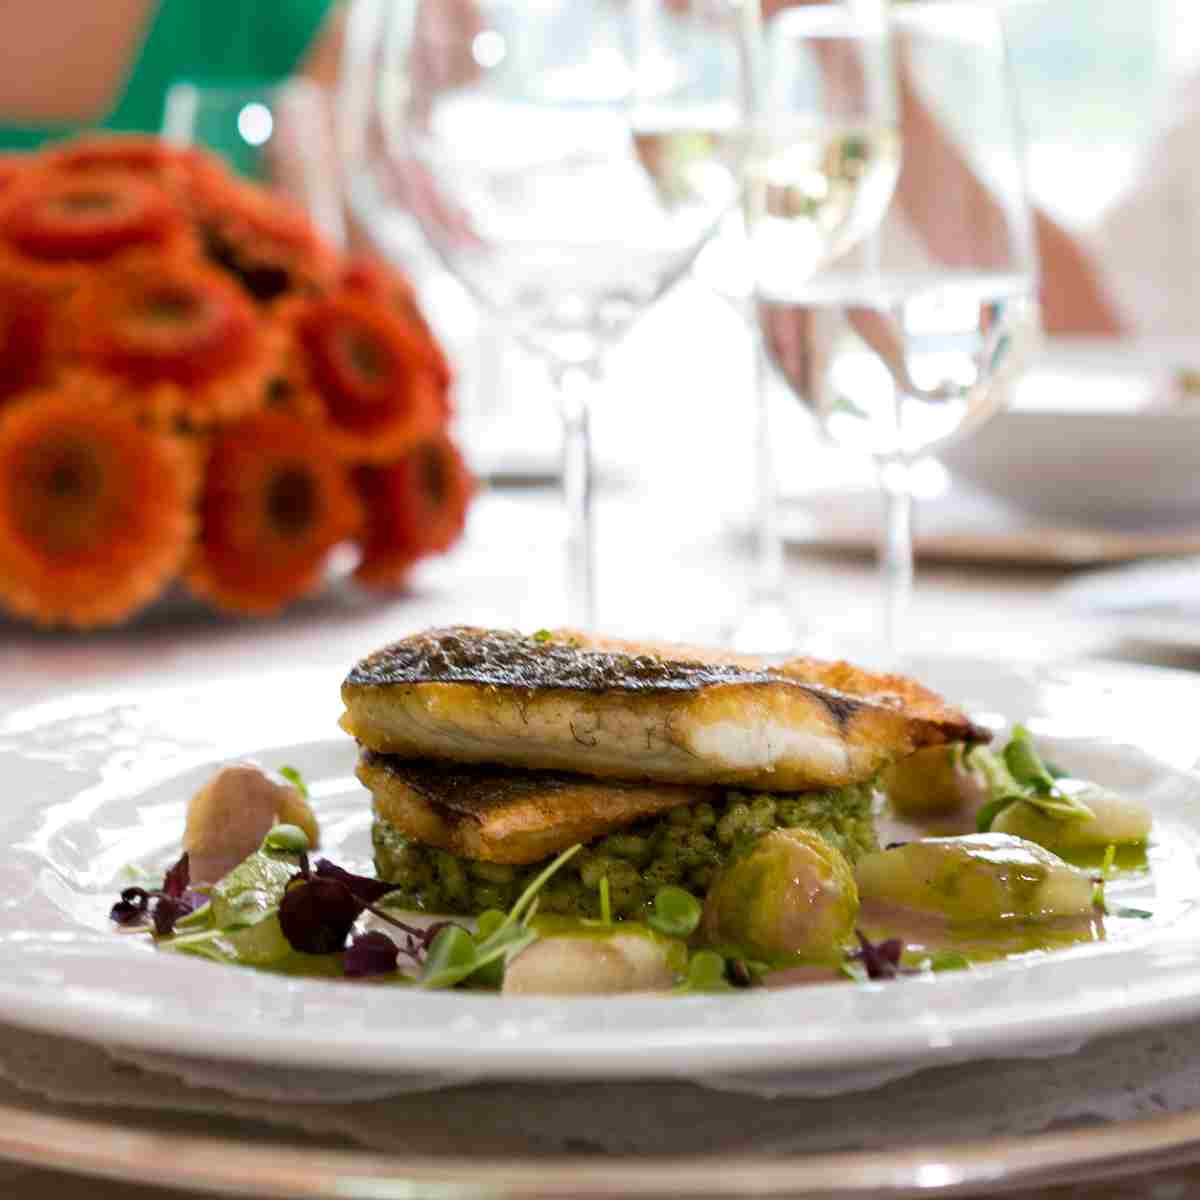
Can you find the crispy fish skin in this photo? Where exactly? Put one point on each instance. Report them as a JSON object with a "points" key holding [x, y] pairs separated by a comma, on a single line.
{"points": [[504, 815], [564, 702]]}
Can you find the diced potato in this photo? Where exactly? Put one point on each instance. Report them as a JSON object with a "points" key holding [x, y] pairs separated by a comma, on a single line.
{"points": [[792, 894], [590, 964], [930, 783], [229, 817], [984, 877], [1117, 820]]}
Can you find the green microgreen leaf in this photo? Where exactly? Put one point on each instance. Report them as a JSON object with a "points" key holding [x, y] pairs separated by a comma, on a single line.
{"points": [[676, 912], [530, 893], [458, 957], [1110, 857], [488, 922], [705, 973], [286, 839], [184, 940], [543, 635], [1002, 788], [1025, 764], [452, 949], [201, 917], [1019, 775], [295, 779], [1136, 914], [948, 960]]}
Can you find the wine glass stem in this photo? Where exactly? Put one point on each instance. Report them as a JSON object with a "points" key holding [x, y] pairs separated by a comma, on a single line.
{"points": [[896, 555], [769, 584], [575, 385]]}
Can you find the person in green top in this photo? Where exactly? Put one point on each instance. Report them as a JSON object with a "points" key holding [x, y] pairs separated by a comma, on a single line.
{"points": [[72, 65]]}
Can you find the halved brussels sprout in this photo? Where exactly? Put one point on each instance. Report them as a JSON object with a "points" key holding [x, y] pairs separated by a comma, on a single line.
{"points": [[792, 894]]}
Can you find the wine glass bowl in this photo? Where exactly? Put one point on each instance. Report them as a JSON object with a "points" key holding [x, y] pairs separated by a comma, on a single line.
{"points": [[907, 340], [574, 156], [826, 149]]}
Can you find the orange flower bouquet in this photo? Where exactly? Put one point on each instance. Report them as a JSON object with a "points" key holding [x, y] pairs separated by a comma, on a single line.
{"points": [[195, 386]]}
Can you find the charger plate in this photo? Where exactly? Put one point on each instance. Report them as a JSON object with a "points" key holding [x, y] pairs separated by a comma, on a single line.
{"points": [[133, 1152]]}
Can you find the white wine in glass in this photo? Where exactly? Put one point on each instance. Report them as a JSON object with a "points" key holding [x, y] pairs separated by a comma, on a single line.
{"points": [[907, 341]]}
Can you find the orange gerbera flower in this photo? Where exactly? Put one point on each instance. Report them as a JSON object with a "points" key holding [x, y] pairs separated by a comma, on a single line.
{"points": [[12, 167], [26, 334], [414, 508], [267, 243], [371, 372], [53, 223], [171, 166], [369, 277], [95, 511], [188, 342], [275, 503]]}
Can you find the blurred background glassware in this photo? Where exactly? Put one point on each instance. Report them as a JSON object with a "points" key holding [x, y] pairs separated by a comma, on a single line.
{"points": [[567, 160], [280, 135], [766, 623], [503, 407], [905, 342]]}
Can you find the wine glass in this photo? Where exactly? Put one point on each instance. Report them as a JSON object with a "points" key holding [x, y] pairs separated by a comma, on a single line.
{"points": [[569, 158], [765, 623], [279, 134], [907, 340]]}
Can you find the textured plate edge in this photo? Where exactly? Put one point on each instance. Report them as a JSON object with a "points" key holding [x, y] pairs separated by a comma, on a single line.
{"points": [[89, 1148]]}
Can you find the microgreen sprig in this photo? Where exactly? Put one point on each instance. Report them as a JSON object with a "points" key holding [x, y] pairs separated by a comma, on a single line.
{"points": [[455, 957], [1018, 775]]}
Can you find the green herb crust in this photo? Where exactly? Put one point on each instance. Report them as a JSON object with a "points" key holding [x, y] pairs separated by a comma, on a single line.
{"points": [[685, 847]]}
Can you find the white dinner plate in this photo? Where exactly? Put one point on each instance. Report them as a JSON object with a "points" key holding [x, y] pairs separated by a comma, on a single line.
{"points": [[95, 782]]}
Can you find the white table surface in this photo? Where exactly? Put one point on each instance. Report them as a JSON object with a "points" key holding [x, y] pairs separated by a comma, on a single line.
{"points": [[673, 441]]}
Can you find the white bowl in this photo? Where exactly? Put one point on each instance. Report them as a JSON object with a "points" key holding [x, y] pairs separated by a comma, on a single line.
{"points": [[1094, 436], [1121, 469]]}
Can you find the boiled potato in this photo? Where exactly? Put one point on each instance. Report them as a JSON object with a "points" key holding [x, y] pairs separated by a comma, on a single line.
{"points": [[792, 894], [983, 877], [930, 783], [592, 964], [1116, 820], [229, 817]]}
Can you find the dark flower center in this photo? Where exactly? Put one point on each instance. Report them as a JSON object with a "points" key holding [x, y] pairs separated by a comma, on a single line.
{"points": [[292, 501], [434, 478]]}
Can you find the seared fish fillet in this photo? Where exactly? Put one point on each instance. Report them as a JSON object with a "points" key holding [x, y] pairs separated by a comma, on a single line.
{"points": [[564, 702], [502, 815]]}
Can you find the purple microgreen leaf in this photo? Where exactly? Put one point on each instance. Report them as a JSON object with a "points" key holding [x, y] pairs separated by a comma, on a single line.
{"points": [[177, 879], [162, 907], [880, 959], [316, 915], [131, 908], [371, 953], [167, 911], [361, 887]]}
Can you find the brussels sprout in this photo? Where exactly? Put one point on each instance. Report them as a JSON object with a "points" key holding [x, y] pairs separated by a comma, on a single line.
{"points": [[930, 783], [791, 894], [1116, 820], [979, 878], [590, 965]]}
